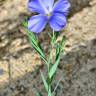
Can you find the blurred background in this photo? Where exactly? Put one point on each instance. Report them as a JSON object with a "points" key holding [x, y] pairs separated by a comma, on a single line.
{"points": [[20, 64]]}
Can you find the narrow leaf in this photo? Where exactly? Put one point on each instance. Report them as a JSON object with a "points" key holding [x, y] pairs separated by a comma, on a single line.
{"points": [[57, 51], [54, 68], [62, 43], [44, 81]]}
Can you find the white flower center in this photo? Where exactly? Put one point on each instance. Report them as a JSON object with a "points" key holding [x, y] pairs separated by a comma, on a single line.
{"points": [[49, 14]]}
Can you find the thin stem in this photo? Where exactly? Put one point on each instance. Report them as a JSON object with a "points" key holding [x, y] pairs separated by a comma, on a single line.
{"points": [[50, 61], [57, 85], [49, 91]]}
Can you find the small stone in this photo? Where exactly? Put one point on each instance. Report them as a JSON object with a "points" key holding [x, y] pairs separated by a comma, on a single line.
{"points": [[1, 71]]}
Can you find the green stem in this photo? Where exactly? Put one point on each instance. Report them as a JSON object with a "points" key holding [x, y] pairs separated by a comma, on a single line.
{"points": [[50, 61], [49, 91]]}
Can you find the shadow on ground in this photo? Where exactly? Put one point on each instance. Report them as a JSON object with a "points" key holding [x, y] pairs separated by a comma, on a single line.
{"points": [[78, 5]]}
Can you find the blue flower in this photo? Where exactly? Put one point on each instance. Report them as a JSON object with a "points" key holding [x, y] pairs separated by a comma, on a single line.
{"points": [[48, 12]]}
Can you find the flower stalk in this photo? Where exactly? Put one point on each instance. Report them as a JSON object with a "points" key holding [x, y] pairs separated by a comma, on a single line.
{"points": [[54, 13], [52, 64]]}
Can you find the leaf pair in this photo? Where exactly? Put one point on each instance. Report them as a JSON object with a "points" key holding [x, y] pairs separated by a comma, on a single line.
{"points": [[59, 49], [46, 85]]}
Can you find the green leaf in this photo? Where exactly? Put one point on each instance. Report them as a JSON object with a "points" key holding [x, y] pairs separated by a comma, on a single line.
{"points": [[36, 45], [62, 42], [44, 81], [49, 92], [39, 51], [57, 51], [32, 37], [59, 47], [54, 68], [54, 37]]}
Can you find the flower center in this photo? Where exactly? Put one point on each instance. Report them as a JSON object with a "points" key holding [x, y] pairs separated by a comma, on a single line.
{"points": [[49, 14]]}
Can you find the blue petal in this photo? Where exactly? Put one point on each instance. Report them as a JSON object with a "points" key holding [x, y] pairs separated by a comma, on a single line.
{"points": [[48, 4], [37, 6], [62, 6], [37, 23], [57, 21]]}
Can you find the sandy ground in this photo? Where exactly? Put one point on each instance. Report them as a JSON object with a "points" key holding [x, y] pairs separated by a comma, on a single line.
{"points": [[77, 67]]}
